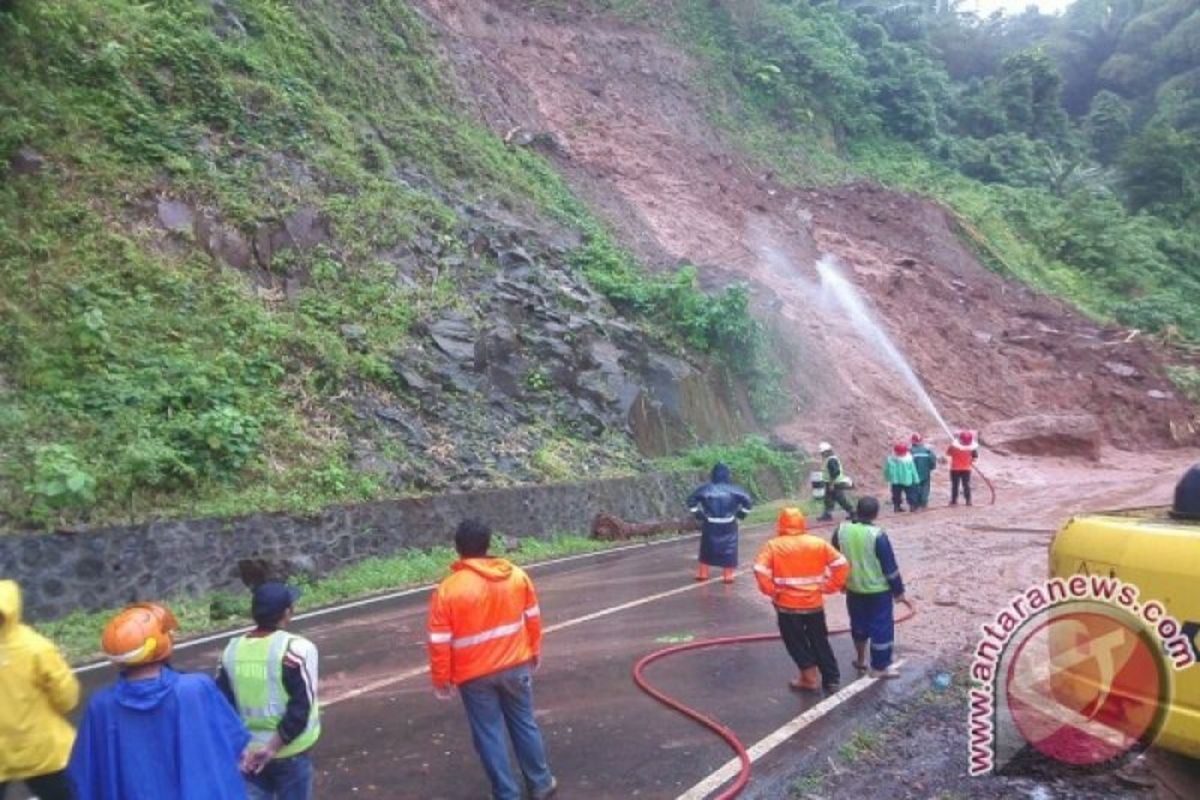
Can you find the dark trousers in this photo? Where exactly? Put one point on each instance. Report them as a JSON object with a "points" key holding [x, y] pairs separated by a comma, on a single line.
{"points": [[908, 493], [807, 641], [871, 621], [283, 779], [55, 786], [960, 478], [837, 494], [923, 493]]}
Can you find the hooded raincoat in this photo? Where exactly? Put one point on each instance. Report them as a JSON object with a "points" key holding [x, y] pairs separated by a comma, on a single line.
{"points": [[172, 737], [482, 619], [37, 688], [719, 504]]}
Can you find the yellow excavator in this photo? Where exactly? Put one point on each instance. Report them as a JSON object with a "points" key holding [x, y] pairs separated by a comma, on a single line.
{"points": [[1157, 550]]}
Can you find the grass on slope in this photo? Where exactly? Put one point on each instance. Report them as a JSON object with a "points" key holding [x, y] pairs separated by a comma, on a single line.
{"points": [[138, 379], [79, 634]]}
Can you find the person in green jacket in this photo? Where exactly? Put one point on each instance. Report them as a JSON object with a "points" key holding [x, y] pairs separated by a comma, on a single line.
{"points": [[900, 471], [925, 461]]}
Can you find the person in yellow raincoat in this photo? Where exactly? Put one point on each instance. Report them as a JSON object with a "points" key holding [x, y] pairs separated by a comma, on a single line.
{"points": [[37, 688]]}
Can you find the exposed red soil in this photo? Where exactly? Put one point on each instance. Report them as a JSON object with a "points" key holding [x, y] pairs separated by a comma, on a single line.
{"points": [[635, 139]]}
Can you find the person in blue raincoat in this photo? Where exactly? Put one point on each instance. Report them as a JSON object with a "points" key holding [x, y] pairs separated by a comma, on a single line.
{"points": [[719, 504], [156, 734]]}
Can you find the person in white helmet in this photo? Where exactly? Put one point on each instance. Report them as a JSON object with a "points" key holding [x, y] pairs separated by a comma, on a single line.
{"points": [[837, 483]]}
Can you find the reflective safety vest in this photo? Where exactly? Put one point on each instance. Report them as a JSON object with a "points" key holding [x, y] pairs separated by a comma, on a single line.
{"points": [[842, 479], [856, 540], [254, 666]]}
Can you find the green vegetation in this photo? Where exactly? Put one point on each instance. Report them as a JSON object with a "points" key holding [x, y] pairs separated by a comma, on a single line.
{"points": [[861, 744], [136, 377], [1069, 147], [79, 634], [1187, 378], [768, 513], [721, 325], [748, 460]]}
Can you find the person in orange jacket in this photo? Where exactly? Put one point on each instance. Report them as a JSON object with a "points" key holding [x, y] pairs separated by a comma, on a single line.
{"points": [[963, 453], [485, 637], [796, 570]]}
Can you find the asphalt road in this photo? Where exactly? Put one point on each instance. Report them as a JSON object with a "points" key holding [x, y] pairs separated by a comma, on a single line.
{"points": [[386, 736]]}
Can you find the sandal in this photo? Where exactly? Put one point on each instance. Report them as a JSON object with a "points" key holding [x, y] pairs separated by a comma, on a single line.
{"points": [[860, 666]]}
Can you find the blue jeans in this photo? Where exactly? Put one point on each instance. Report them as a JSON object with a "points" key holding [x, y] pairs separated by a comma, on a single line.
{"points": [[283, 779], [496, 703]]}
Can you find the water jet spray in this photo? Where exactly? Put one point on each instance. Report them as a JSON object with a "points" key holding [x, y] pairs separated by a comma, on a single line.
{"points": [[835, 286]]}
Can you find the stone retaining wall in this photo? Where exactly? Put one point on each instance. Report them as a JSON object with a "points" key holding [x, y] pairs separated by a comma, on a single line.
{"points": [[107, 567]]}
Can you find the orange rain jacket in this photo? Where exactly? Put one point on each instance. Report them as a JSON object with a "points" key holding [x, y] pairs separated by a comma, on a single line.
{"points": [[962, 457], [797, 569], [482, 619]]}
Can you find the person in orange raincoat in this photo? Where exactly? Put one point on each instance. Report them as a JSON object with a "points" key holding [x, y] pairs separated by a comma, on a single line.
{"points": [[796, 570], [485, 637]]}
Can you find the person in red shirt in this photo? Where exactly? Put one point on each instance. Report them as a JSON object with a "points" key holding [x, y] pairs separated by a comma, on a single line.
{"points": [[485, 638], [796, 570], [963, 452]]}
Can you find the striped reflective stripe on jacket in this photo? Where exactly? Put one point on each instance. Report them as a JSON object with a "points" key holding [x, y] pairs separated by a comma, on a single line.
{"points": [[485, 636], [483, 618], [797, 570]]}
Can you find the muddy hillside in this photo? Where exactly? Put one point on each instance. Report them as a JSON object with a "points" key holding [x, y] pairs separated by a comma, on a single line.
{"points": [[614, 105]]}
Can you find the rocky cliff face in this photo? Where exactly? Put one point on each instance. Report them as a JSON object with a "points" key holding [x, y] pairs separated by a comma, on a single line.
{"points": [[489, 386]]}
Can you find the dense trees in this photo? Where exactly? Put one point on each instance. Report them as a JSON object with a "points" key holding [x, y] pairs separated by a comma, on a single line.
{"points": [[1089, 122]]}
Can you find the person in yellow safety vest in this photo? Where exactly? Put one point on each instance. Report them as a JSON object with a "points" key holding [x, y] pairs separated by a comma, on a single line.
{"points": [[37, 689], [874, 584], [270, 676], [837, 483], [796, 570]]}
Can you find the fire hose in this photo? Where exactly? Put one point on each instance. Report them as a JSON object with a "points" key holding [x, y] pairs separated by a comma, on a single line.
{"points": [[723, 731], [713, 725]]}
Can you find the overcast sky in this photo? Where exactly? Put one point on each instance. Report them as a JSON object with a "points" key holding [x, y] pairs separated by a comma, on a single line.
{"points": [[986, 7]]}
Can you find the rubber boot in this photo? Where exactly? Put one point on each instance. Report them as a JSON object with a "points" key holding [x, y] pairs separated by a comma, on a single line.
{"points": [[702, 572], [727, 575]]}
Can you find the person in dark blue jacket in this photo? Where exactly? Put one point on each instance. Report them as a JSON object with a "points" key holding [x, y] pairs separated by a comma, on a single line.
{"points": [[719, 504]]}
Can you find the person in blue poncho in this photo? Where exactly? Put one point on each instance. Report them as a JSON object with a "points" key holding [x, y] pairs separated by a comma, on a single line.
{"points": [[719, 504], [156, 734]]}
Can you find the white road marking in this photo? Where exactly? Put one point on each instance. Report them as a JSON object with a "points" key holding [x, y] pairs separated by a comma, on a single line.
{"points": [[772, 740], [320, 612], [558, 626]]}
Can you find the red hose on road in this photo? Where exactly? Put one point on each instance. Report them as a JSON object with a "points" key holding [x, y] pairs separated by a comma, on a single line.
{"points": [[713, 725], [991, 488], [716, 727]]}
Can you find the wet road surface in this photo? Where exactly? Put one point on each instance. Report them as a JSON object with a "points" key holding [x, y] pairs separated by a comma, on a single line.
{"points": [[385, 735]]}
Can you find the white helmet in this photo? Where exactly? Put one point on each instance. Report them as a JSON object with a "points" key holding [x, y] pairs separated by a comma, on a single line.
{"points": [[825, 447]]}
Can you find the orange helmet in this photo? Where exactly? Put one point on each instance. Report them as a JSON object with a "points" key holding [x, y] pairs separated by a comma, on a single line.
{"points": [[791, 520], [140, 634]]}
